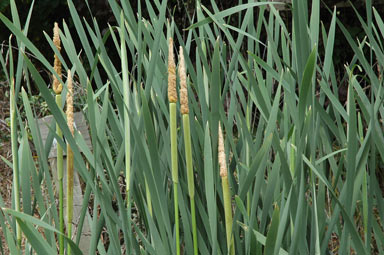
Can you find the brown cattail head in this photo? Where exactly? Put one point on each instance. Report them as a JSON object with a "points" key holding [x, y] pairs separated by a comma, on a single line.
{"points": [[222, 160], [172, 94], [183, 84], [69, 111], [57, 87]]}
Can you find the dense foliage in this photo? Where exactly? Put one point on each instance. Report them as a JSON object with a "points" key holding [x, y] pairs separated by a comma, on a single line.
{"points": [[298, 163]]}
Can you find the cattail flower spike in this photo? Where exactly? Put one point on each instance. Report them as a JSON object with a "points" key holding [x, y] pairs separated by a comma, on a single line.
{"points": [[57, 86]]}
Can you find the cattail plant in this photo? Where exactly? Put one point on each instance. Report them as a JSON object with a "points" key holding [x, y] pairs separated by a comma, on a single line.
{"points": [[172, 97], [70, 121], [184, 108], [15, 157], [57, 88], [127, 134], [226, 193]]}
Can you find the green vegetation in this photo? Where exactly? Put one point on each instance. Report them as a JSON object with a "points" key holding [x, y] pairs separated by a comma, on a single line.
{"points": [[299, 167]]}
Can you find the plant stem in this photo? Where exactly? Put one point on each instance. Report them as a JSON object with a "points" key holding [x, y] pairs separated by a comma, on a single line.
{"points": [[60, 180], [69, 193], [175, 177], [191, 184], [15, 158], [127, 135], [248, 117], [194, 229], [292, 160], [149, 200], [228, 214]]}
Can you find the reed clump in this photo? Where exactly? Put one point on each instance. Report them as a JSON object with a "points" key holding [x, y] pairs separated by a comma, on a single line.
{"points": [[237, 96]]}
